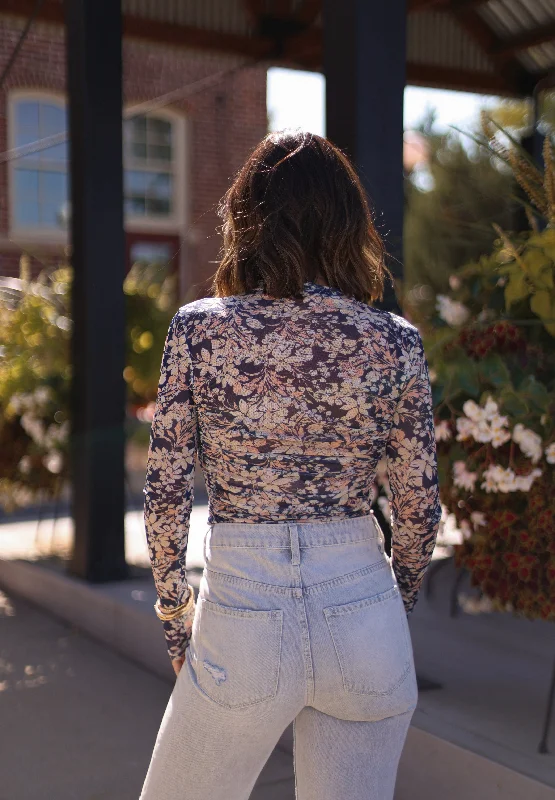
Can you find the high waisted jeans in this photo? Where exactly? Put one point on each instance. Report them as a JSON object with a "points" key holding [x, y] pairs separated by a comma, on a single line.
{"points": [[294, 622]]}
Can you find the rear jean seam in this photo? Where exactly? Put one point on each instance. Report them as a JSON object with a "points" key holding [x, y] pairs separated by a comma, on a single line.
{"points": [[287, 546], [312, 589]]}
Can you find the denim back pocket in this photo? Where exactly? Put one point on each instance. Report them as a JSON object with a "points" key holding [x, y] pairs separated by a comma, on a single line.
{"points": [[372, 642], [237, 653]]}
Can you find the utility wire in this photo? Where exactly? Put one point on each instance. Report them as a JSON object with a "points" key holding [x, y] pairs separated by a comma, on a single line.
{"points": [[20, 42], [137, 110]]}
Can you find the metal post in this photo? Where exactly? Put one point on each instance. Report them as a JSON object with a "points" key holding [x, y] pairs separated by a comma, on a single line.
{"points": [[365, 67], [94, 65]]}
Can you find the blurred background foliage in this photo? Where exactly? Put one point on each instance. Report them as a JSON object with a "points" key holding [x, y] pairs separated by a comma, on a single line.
{"points": [[35, 371]]}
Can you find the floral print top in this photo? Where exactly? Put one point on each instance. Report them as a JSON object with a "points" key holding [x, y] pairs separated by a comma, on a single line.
{"points": [[290, 404]]}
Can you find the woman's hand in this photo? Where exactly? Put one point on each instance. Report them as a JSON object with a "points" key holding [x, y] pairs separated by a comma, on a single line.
{"points": [[177, 663]]}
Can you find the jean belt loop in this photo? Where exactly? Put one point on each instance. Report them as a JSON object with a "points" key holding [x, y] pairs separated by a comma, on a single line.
{"points": [[295, 548]]}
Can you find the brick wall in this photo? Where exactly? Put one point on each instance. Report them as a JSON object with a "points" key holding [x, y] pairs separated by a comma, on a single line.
{"points": [[224, 122]]}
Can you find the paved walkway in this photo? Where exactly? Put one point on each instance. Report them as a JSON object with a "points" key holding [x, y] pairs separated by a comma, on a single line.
{"points": [[79, 721]]}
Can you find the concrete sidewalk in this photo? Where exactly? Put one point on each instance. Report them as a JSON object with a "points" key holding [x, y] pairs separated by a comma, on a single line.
{"points": [[78, 720]]}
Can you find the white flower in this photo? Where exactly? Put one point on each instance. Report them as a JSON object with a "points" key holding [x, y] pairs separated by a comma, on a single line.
{"points": [[462, 477], [465, 529], [482, 432], [454, 282], [524, 482], [478, 518], [453, 312], [499, 479], [483, 424], [550, 453], [529, 442], [465, 428], [33, 427], [443, 431], [42, 394], [473, 411], [64, 323], [53, 461], [25, 465], [499, 436], [491, 409]]}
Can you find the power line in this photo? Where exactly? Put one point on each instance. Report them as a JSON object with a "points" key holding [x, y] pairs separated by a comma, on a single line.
{"points": [[137, 110], [20, 41]]}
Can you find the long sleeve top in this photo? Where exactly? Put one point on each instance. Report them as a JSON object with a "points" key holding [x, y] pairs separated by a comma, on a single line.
{"points": [[290, 404]]}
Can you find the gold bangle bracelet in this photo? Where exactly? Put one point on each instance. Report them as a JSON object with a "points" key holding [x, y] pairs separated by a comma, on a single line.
{"points": [[169, 614]]}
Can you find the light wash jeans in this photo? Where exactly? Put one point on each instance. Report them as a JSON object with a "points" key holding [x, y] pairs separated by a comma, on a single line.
{"points": [[294, 622]]}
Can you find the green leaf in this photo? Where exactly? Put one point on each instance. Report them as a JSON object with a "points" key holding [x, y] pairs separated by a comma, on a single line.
{"points": [[513, 403], [492, 369], [542, 304], [516, 289], [468, 378], [535, 393]]}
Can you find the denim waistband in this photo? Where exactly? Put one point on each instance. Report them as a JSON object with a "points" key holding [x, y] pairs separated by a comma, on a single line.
{"points": [[308, 534]]}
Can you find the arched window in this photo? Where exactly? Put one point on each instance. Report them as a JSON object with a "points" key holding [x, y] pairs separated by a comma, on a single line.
{"points": [[153, 157], [39, 180]]}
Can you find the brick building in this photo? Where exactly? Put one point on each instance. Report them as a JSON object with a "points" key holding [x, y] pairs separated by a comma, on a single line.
{"points": [[178, 159]]}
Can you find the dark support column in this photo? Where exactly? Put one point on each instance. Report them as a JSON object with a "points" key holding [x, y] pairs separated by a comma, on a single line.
{"points": [[98, 393], [364, 64]]}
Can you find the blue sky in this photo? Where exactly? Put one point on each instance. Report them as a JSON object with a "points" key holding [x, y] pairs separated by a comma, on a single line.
{"points": [[296, 100]]}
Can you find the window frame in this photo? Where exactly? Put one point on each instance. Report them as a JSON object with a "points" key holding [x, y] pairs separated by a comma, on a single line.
{"points": [[176, 222], [30, 233]]}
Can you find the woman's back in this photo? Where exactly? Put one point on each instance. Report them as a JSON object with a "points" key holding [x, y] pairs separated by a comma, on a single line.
{"points": [[290, 404]]}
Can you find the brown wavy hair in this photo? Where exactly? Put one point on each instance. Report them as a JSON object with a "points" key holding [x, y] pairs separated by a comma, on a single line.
{"points": [[296, 211]]}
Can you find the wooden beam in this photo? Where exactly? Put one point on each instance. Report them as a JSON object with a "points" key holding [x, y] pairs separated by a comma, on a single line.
{"points": [[517, 78], [532, 38], [458, 79], [425, 5]]}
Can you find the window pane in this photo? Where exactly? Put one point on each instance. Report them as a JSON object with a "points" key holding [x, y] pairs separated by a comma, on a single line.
{"points": [[26, 213], [135, 181], [159, 130], [52, 119], [27, 116], [56, 153], [150, 252], [160, 185], [53, 187], [135, 206], [26, 184], [53, 198], [52, 215], [138, 150], [157, 206], [138, 128], [159, 152]]}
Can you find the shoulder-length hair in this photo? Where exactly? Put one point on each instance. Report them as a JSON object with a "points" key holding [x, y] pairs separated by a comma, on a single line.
{"points": [[295, 211]]}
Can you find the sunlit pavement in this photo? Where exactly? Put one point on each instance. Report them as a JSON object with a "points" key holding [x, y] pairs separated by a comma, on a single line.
{"points": [[79, 721]]}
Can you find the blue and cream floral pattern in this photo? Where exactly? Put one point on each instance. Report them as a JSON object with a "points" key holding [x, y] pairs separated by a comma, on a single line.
{"points": [[290, 404]]}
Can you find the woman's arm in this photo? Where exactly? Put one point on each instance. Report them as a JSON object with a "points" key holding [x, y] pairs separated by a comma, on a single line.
{"points": [[169, 485], [412, 474]]}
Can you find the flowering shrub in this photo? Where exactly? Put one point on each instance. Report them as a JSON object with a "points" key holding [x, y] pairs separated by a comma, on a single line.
{"points": [[35, 373], [35, 329], [492, 362]]}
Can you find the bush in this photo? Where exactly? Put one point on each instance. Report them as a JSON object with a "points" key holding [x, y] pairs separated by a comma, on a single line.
{"points": [[492, 359]]}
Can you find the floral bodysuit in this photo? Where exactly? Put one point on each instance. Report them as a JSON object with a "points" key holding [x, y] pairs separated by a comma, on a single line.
{"points": [[291, 404]]}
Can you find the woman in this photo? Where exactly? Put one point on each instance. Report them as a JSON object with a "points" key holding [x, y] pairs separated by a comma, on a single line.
{"points": [[292, 389]]}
